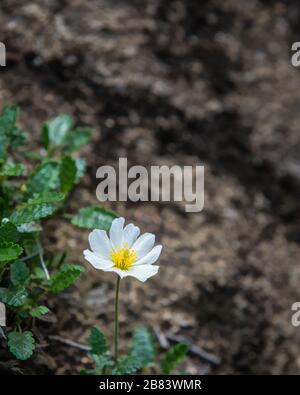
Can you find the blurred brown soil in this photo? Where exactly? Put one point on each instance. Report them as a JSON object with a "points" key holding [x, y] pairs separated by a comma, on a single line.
{"points": [[176, 82]]}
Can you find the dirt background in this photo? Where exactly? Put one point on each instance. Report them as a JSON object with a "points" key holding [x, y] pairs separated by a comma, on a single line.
{"points": [[176, 82]]}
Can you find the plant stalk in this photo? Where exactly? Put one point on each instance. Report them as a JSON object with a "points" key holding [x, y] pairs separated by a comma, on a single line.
{"points": [[116, 339]]}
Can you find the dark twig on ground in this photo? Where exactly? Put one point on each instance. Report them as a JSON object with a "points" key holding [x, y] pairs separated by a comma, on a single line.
{"points": [[70, 343]]}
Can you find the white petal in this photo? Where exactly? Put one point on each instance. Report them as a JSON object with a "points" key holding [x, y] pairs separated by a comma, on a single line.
{"points": [[121, 273], [151, 257], [116, 232], [97, 261], [100, 243], [130, 234], [143, 272], [144, 244]]}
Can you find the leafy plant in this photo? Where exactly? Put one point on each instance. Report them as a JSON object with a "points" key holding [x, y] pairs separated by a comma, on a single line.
{"points": [[142, 355], [34, 186]]}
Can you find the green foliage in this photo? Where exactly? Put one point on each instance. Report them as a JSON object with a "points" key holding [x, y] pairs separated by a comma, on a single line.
{"points": [[39, 311], [21, 344], [19, 273], [32, 212], [142, 355], [31, 191], [65, 277], [44, 178], [126, 365], [142, 346], [173, 357], [67, 173], [9, 232], [97, 342], [47, 197], [9, 251], [94, 217], [74, 141], [13, 297], [55, 131], [12, 169], [8, 119]]}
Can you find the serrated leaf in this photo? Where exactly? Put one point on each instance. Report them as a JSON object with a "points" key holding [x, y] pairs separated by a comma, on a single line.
{"points": [[97, 341], [94, 217], [19, 273], [13, 297], [126, 365], [55, 131], [65, 277], [39, 311], [32, 212], [102, 360], [12, 170], [76, 139], [9, 251], [9, 232], [173, 357], [21, 344], [67, 174], [142, 346], [44, 178]]}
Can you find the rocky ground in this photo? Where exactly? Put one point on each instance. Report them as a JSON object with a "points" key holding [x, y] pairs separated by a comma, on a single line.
{"points": [[177, 82]]}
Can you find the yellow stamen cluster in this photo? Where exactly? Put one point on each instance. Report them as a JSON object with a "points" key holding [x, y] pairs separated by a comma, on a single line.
{"points": [[123, 258]]}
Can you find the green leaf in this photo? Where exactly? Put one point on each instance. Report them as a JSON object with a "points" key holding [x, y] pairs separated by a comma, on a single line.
{"points": [[126, 365], [67, 174], [65, 277], [80, 168], [39, 311], [55, 131], [9, 232], [45, 137], [12, 170], [9, 251], [44, 178], [21, 344], [30, 227], [32, 212], [142, 346], [8, 120], [76, 139], [47, 197], [13, 297], [173, 357], [97, 341], [19, 273], [94, 217], [102, 361], [17, 138]]}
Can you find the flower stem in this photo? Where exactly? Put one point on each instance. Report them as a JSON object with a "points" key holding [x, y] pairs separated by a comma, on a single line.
{"points": [[117, 319]]}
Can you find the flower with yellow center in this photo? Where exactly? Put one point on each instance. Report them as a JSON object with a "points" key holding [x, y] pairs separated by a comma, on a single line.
{"points": [[124, 251]]}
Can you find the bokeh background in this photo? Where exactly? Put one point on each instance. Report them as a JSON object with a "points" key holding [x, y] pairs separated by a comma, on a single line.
{"points": [[176, 82]]}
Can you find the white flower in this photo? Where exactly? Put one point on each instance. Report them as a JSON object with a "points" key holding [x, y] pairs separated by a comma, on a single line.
{"points": [[123, 252]]}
